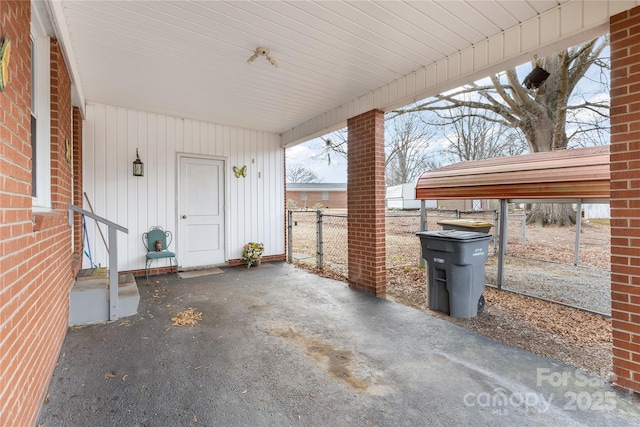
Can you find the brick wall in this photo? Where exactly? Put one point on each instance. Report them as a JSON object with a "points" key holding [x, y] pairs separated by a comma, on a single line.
{"points": [[366, 203], [337, 199], [625, 198], [35, 256]]}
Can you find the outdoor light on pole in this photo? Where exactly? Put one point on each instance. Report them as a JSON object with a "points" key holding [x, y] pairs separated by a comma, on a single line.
{"points": [[536, 77], [138, 166]]}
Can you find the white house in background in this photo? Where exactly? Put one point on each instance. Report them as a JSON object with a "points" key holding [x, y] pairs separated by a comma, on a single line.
{"points": [[593, 210], [403, 196]]}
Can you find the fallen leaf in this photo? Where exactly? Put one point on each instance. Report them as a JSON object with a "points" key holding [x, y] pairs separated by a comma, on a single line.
{"points": [[109, 375], [124, 377], [46, 399], [188, 317]]}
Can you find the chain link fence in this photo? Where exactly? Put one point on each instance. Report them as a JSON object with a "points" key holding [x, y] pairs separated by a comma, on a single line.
{"points": [[319, 238]]}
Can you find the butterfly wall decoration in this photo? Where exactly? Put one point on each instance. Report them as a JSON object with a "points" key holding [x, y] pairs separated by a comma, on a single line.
{"points": [[240, 172]]}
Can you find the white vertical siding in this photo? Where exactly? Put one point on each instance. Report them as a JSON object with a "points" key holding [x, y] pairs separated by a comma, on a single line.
{"points": [[254, 205]]}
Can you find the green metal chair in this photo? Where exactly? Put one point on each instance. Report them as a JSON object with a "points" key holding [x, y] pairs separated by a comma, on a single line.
{"points": [[155, 240]]}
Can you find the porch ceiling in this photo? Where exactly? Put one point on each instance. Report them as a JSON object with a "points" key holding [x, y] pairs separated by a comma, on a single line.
{"points": [[335, 59]]}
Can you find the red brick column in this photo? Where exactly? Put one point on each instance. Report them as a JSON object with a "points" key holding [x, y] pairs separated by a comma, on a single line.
{"points": [[625, 198], [366, 204]]}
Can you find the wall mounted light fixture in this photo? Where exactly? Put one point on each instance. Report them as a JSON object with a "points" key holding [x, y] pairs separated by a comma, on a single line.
{"points": [[138, 166]]}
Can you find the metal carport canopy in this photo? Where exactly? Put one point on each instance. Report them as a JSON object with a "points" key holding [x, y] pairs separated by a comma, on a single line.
{"points": [[578, 175], [573, 175]]}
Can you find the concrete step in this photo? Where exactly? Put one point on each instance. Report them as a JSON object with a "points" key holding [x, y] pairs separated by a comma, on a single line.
{"points": [[89, 297]]}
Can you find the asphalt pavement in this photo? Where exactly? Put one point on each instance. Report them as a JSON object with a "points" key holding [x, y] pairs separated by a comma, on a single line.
{"points": [[278, 346]]}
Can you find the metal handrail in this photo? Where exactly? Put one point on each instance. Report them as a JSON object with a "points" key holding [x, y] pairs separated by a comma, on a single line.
{"points": [[113, 254]]}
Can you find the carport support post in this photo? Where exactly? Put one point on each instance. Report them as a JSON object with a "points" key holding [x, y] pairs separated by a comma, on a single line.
{"points": [[423, 224], [502, 237], [576, 250], [365, 203]]}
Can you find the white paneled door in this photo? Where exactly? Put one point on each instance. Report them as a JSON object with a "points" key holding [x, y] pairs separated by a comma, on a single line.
{"points": [[201, 212]]}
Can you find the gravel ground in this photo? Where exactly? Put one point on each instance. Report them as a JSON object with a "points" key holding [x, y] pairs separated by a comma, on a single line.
{"points": [[588, 288]]}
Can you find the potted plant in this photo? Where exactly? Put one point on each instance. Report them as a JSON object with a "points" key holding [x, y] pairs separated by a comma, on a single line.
{"points": [[252, 253]]}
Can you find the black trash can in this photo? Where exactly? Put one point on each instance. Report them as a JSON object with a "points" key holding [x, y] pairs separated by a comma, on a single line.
{"points": [[455, 270]]}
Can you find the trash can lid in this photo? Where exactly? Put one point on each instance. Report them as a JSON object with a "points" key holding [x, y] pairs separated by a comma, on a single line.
{"points": [[454, 235], [466, 222]]}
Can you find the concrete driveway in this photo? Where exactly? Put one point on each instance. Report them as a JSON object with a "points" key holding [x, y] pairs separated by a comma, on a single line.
{"points": [[278, 346]]}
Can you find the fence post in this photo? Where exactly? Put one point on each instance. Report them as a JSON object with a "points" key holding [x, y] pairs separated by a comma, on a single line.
{"points": [[319, 238], [576, 250], [289, 235]]}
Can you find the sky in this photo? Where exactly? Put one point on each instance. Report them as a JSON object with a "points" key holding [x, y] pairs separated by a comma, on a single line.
{"points": [[310, 155]]}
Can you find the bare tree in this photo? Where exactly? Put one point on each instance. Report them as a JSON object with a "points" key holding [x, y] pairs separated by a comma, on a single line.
{"points": [[540, 113], [407, 146], [472, 137], [336, 143], [546, 114], [407, 141], [297, 174]]}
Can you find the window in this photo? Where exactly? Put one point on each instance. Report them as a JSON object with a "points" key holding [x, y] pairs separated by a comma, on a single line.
{"points": [[325, 195], [303, 195], [40, 114]]}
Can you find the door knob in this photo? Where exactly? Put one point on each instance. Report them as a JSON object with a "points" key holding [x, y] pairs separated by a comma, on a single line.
{"points": [[184, 217]]}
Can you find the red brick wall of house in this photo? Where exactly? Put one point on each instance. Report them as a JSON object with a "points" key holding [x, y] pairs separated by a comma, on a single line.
{"points": [[625, 198], [35, 250], [366, 203], [337, 199]]}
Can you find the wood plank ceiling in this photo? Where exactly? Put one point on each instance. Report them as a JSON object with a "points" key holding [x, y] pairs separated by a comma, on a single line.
{"points": [[189, 58]]}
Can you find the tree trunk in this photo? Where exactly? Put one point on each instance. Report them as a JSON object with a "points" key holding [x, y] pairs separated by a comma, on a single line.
{"points": [[559, 214]]}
